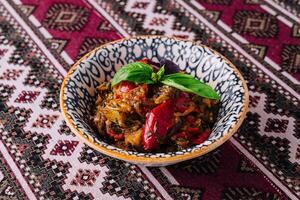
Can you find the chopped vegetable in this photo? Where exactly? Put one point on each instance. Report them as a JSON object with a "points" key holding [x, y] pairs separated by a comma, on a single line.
{"points": [[157, 125], [134, 139], [126, 86], [113, 134]]}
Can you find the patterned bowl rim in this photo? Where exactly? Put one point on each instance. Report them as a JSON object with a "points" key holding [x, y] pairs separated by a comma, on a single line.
{"points": [[157, 160]]}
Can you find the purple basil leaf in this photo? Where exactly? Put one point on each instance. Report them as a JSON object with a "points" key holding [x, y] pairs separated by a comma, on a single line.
{"points": [[155, 65], [170, 67]]}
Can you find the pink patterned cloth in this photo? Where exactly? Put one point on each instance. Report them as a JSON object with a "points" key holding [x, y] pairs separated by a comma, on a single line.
{"points": [[42, 159]]}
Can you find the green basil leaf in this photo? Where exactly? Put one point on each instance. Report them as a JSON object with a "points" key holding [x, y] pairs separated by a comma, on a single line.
{"points": [[154, 77], [188, 83], [136, 72], [160, 73]]}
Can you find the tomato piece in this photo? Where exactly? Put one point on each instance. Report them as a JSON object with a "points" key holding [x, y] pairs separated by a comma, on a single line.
{"points": [[114, 135], [126, 86], [201, 137], [145, 60], [158, 123]]}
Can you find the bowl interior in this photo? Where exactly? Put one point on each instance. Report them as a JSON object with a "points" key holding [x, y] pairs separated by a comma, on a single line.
{"points": [[78, 92]]}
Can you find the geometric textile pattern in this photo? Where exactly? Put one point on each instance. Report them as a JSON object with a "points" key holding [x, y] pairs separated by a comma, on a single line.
{"points": [[247, 193], [275, 125], [195, 184], [263, 24], [26, 9], [64, 148], [66, 17], [11, 74], [213, 15], [291, 58], [66, 24], [27, 97], [85, 177], [45, 121], [9, 186], [157, 22], [57, 44], [259, 50], [54, 164], [89, 44], [255, 24], [290, 6]]}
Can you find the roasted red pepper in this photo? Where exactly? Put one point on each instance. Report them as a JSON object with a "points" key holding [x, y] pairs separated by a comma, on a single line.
{"points": [[158, 122], [114, 135], [201, 137]]}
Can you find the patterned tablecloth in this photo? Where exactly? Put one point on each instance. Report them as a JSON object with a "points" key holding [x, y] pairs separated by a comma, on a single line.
{"points": [[42, 159]]}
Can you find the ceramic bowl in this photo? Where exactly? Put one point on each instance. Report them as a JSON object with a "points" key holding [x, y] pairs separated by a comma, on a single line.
{"points": [[78, 91]]}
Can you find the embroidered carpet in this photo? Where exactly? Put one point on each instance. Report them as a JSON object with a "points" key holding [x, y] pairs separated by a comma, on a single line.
{"points": [[42, 159]]}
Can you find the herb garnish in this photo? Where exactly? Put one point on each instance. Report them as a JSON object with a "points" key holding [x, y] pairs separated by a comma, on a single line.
{"points": [[139, 72]]}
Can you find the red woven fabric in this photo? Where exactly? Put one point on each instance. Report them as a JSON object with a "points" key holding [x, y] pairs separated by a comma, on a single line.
{"points": [[42, 159]]}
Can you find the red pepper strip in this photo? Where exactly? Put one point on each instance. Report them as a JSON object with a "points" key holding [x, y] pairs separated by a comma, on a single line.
{"points": [[201, 137], [158, 122], [193, 130], [114, 135], [182, 102], [126, 86], [182, 134]]}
